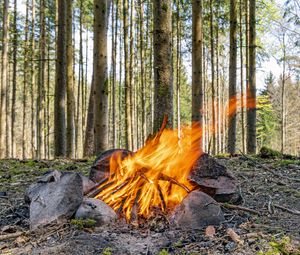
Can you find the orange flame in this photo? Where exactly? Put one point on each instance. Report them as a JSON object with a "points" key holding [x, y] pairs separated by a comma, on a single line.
{"points": [[156, 175]]}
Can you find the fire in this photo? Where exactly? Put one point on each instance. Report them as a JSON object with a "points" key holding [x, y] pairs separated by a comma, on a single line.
{"points": [[155, 176]]}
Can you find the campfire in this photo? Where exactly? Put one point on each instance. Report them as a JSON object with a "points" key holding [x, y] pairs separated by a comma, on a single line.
{"points": [[154, 176], [169, 175]]}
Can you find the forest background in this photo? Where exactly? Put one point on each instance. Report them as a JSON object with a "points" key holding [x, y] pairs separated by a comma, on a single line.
{"points": [[48, 52]]}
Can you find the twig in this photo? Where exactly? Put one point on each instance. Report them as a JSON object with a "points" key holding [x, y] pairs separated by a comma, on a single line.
{"points": [[164, 177], [9, 236], [269, 169], [242, 208], [161, 196], [296, 212], [97, 190]]}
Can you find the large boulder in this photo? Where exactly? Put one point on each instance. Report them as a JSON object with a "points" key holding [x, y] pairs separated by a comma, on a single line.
{"points": [[197, 210], [100, 167], [56, 201], [213, 178], [92, 208]]}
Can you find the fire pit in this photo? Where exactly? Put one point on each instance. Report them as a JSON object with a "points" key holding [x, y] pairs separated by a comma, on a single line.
{"points": [[165, 175]]}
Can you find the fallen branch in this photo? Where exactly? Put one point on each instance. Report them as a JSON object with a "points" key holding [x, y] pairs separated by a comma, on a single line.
{"points": [[237, 207], [12, 235], [296, 212]]}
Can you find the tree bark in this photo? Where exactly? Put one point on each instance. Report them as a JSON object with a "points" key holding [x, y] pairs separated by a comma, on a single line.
{"points": [[251, 91], [4, 75], [100, 76], [232, 79], [60, 85], [163, 90], [70, 86], [14, 82]]}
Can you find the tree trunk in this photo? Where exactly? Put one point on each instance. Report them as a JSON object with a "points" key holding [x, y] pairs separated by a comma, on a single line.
{"points": [[41, 80], [128, 128], [70, 86], [232, 80], [212, 62], [100, 76], [14, 82], [32, 83], [251, 91], [242, 77], [4, 75], [60, 85], [163, 90]]}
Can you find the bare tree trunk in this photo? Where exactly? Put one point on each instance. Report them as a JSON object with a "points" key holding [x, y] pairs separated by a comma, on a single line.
{"points": [[178, 65], [89, 130], [41, 80], [70, 86], [163, 92], [251, 91], [4, 75], [60, 85], [212, 61], [232, 79], [242, 77], [128, 128], [131, 78], [100, 76], [142, 66], [14, 81], [32, 84], [283, 118]]}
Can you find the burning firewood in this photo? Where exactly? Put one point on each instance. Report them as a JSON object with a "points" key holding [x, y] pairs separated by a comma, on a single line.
{"points": [[154, 176]]}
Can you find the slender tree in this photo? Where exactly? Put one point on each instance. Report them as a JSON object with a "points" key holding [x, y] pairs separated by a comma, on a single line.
{"points": [[100, 76], [163, 90], [14, 81], [197, 90], [4, 75], [251, 90], [70, 86], [232, 79], [60, 83]]}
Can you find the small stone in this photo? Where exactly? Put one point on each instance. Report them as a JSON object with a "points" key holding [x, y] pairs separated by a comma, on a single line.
{"points": [[92, 208], [210, 231], [56, 201], [230, 246], [197, 210], [100, 168]]}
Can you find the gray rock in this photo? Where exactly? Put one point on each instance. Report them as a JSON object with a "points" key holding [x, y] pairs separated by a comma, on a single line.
{"points": [[56, 201], [197, 210], [100, 167], [213, 178], [92, 208], [35, 188], [87, 184]]}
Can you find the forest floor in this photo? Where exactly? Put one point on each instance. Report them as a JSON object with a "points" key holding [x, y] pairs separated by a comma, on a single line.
{"points": [[265, 186]]}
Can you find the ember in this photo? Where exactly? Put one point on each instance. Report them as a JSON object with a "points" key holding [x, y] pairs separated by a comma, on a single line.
{"points": [[155, 176]]}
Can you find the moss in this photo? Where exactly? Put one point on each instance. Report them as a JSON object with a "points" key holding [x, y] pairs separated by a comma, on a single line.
{"points": [[107, 251], [287, 162], [83, 223], [281, 247], [222, 155], [266, 152], [163, 252], [164, 7]]}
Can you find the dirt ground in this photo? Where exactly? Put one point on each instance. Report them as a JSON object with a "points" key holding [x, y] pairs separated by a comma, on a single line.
{"points": [[271, 188]]}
